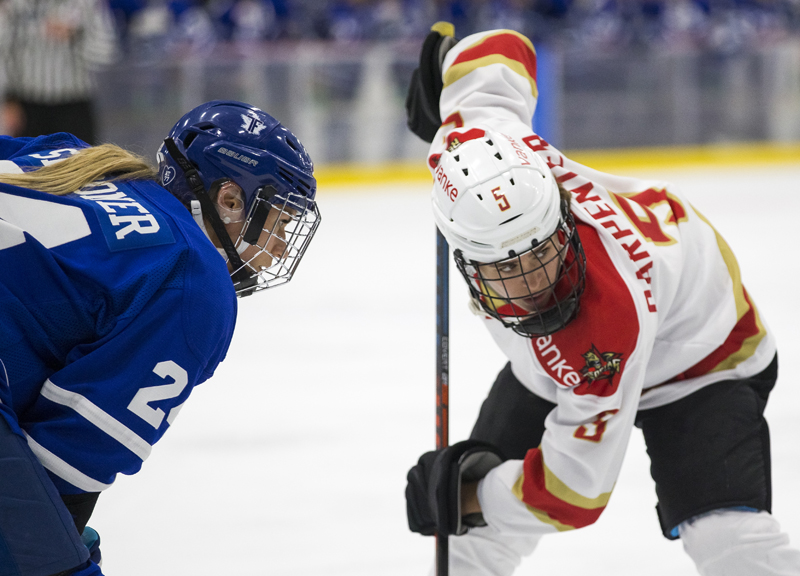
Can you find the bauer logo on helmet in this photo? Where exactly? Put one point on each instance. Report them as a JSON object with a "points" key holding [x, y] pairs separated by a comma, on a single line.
{"points": [[236, 156]]}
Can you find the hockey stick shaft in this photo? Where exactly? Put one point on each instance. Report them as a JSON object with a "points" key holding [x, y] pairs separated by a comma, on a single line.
{"points": [[442, 372]]}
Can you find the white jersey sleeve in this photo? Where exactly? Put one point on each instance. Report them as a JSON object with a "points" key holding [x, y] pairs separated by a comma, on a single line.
{"points": [[664, 312]]}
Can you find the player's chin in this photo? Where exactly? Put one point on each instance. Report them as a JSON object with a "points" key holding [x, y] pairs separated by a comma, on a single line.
{"points": [[534, 305]]}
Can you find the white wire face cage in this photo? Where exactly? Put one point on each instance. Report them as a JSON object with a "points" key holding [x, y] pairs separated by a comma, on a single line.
{"points": [[536, 292], [271, 247]]}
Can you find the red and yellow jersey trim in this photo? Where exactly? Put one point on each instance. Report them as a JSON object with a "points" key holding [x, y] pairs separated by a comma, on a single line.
{"points": [[552, 501], [746, 335], [506, 47]]}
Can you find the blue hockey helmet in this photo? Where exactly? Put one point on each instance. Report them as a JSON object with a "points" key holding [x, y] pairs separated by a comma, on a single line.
{"points": [[225, 141]]}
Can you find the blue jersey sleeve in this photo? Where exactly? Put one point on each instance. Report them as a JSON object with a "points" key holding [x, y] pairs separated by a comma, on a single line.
{"points": [[101, 414]]}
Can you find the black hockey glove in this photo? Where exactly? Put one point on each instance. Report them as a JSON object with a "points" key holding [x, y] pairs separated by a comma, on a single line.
{"points": [[422, 100], [433, 493]]}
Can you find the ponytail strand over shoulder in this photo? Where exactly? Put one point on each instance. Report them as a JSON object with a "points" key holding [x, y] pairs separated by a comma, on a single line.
{"points": [[104, 162]]}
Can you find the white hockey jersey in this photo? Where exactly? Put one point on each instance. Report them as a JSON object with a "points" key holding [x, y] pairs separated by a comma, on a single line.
{"points": [[664, 312]]}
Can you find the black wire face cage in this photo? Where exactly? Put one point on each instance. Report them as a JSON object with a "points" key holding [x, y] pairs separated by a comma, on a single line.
{"points": [[536, 292], [274, 239]]}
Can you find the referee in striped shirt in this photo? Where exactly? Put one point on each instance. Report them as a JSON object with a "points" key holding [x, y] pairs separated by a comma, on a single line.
{"points": [[48, 49]]}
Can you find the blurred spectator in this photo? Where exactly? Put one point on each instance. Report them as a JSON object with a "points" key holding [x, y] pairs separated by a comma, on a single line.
{"points": [[48, 49], [251, 20], [124, 11], [347, 20], [156, 26], [353, 20], [720, 26]]}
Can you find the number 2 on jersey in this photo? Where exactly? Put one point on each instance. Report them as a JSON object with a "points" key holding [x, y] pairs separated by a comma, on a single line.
{"points": [[140, 405]]}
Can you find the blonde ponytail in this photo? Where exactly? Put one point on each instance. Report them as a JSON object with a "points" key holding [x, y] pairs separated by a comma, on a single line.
{"points": [[88, 165]]}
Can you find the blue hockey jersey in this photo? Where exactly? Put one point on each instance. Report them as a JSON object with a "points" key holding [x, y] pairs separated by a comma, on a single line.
{"points": [[113, 306]]}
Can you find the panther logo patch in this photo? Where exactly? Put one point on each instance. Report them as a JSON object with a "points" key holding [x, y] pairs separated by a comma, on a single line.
{"points": [[601, 365]]}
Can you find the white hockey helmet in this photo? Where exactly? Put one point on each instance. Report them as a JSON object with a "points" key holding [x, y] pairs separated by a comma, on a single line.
{"points": [[492, 195], [514, 239]]}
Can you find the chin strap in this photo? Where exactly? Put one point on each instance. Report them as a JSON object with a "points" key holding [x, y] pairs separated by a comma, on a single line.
{"points": [[240, 276], [197, 214]]}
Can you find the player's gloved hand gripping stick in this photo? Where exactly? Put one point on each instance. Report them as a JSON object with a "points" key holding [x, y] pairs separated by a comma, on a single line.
{"points": [[433, 493], [422, 100]]}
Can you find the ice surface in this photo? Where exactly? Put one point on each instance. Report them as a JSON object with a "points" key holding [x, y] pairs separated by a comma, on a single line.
{"points": [[292, 459]]}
